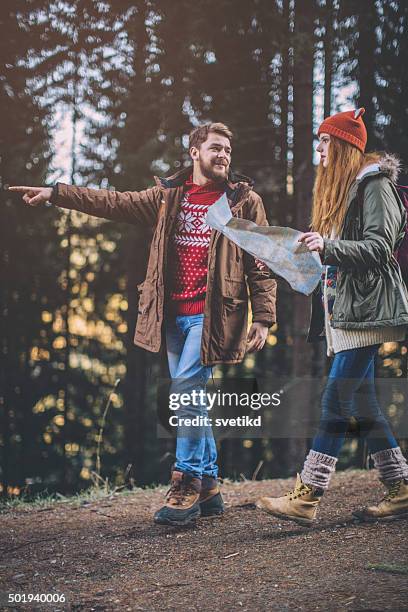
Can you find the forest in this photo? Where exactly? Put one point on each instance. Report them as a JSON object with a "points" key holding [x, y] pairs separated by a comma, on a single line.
{"points": [[104, 93]]}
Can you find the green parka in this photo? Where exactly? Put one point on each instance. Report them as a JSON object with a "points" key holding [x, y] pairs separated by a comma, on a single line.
{"points": [[370, 291]]}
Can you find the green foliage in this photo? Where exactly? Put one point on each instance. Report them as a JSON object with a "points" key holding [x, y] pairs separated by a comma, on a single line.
{"points": [[389, 568]]}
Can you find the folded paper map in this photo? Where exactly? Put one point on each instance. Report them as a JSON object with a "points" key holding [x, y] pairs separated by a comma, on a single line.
{"points": [[277, 247]]}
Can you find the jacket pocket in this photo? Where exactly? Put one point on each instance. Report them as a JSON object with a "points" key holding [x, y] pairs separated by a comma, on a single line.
{"points": [[234, 315], [367, 297], [234, 289], [229, 318], [144, 307], [234, 319], [142, 298]]}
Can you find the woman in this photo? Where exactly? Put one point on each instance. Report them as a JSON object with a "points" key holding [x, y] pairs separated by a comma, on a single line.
{"points": [[357, 222]]}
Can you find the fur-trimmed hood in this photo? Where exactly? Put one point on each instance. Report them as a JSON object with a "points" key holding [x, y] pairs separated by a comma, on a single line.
{"points": [[389, 165]]}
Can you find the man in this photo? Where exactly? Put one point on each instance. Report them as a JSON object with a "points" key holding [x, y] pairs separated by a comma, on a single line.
{"points": [[195, 291]]}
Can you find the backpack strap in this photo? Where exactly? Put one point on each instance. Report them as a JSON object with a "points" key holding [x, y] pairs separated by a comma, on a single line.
{"points": [[360, 200], [360, 196], [397, 189]]}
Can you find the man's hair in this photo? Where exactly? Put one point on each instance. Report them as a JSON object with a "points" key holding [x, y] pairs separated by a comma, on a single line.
{"points": [[200, 133]]}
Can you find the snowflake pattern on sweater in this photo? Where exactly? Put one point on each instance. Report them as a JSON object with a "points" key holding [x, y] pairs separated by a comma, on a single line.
{"points": [[189, 253]]}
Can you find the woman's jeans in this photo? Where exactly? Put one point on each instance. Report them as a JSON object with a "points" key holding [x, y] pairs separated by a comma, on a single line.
{"points": [[350, 392], [196, 452]]}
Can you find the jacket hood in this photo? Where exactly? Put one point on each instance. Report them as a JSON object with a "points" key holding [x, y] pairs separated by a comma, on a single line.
{"points": [[177, 179], [389, 165], [236, 187]]}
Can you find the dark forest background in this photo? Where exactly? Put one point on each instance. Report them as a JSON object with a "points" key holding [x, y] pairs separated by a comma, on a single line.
{"points": [[133, 78]]}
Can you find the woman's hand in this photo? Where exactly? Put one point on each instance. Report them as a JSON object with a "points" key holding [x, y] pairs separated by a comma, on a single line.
{"points": [[313, 241]]}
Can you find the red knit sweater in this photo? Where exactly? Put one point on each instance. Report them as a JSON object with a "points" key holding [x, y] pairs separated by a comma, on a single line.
{"points": [[189, 252]]}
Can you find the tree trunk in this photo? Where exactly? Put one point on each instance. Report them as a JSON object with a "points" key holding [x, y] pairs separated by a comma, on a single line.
{"points": [[303, 184], [285, 99], [366, 47], [67, 306], [328, 57], [136, 367]]}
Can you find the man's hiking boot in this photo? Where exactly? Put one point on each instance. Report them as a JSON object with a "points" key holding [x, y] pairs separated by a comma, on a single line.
{"points": [[182, 502], [394, 505], [299, 505], [211, 503]]}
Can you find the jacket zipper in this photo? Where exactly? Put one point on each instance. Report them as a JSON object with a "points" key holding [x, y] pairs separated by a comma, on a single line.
{"points": [[164, 263]]}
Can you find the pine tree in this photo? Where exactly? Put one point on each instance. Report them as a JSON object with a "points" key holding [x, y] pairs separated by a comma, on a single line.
{"points": [[392, 80], [27, 250]]}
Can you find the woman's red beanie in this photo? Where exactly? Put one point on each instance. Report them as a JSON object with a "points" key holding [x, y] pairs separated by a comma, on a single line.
{"points": [[348, 126]]}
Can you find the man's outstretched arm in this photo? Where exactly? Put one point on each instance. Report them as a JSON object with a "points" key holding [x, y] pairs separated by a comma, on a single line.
{"points": [[140, 207]]}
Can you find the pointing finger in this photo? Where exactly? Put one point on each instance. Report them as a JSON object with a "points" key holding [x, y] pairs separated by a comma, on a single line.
{"points": [[24, 188], [17, 188]]}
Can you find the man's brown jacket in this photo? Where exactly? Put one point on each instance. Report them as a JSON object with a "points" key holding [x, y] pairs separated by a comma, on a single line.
{"points": [[231, 272]]}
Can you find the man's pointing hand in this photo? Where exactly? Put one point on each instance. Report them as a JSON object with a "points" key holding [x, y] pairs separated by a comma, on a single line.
{"points": [[33, 196]]}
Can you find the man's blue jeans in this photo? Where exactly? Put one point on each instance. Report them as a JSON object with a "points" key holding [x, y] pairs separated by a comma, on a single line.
{"points": [[196, 452], [350, 392]]}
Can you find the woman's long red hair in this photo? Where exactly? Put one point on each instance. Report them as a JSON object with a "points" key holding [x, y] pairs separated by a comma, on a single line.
{"points": [[332, 185]]}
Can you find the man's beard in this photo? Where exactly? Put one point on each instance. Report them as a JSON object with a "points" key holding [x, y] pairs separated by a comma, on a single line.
{"points": [[208, 171]]}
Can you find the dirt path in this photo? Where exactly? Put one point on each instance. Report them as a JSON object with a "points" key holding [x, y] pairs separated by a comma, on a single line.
{"points": [[108, 555]]}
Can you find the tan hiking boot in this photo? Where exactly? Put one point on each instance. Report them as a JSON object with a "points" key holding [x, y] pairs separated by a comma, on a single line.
{"points": [[182, 502], [299, 505], [394, 504]]}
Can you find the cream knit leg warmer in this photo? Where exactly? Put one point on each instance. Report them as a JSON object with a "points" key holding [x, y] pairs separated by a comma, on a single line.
{"points": [[317, 469], [391, 464]]}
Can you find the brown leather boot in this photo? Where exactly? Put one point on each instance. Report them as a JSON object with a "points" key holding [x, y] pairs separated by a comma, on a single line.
{"points": [[394, 504], [182, 502], [299, 505], [211, 502]]}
